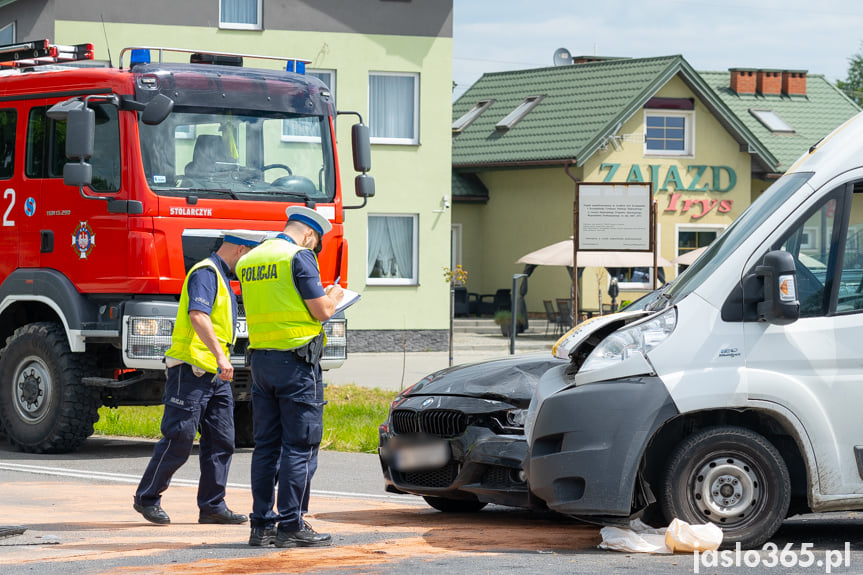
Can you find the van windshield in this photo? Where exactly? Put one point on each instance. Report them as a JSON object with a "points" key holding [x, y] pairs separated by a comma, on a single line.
{"points": [[754, 216], [248, 155]]}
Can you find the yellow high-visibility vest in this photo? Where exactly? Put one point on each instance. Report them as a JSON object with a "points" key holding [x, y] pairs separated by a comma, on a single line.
{"points": [[276, 315], [185, 343]]}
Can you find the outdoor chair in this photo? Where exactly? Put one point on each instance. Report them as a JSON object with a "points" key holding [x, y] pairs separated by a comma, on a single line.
{"points": [[564, 310], [553, 318]]}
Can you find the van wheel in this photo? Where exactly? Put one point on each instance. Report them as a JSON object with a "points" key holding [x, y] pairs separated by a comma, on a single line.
{"points": [[454, 505], [732, 477], [43, 405]]}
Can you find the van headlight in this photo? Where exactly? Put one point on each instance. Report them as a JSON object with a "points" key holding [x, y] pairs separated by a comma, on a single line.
{"points": [[636, 338]]}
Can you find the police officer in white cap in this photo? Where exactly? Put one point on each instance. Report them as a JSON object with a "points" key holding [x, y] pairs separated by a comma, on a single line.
{"points": [[198, 389], [285, 304]]}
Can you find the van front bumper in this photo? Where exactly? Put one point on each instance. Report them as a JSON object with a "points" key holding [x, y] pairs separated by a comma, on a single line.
{"points": [[587, 443]]}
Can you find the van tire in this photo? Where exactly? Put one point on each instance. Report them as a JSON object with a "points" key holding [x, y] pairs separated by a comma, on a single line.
{"points": [[730, 476], [43, 404]]}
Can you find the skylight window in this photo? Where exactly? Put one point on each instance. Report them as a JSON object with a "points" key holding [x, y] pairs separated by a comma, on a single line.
{"points": [[471, 115], [520, 112], [772, 121]]}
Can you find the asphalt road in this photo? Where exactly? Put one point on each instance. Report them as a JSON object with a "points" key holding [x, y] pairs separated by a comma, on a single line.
{"points": [[76, 509]]}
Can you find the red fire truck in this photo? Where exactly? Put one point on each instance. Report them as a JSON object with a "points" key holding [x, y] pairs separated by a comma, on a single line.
{"points": [[115, 181]]}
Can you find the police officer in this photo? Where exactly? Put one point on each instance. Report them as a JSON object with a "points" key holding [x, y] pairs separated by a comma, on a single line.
{"points": [[198, 390], [285, 305]]}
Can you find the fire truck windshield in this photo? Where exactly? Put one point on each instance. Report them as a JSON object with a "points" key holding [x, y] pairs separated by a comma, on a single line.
{"points": [[244, 155]]}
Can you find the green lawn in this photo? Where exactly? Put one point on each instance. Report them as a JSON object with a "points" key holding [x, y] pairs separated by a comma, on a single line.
{"points": [[351, 418]]}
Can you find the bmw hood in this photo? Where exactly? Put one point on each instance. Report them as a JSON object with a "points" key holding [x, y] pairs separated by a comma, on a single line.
{"points": [[510, 379]]}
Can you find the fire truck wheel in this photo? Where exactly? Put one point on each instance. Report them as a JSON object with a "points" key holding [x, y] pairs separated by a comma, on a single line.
{"points": [[244, 434], [43, 405]]}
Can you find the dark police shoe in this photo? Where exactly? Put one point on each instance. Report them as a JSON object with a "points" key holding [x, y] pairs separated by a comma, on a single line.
{"points": [[153, 514], [223, 517], [306, 537], [261, 536]]}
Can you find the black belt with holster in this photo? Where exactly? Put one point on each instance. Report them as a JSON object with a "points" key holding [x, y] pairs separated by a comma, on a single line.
{"points": [[310, 353]]}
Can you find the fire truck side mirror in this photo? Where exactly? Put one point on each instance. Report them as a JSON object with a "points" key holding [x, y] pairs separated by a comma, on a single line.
{"points": [[364, 186], [362, 148], [80, 133], [157, 110]]}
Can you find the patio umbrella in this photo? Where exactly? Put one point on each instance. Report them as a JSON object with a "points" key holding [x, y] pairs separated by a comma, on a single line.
{"points": [[688, 258], [560, 254]]}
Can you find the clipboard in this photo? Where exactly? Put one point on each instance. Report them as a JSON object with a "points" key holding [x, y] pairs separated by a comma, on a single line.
{"points": [[349, 298]]}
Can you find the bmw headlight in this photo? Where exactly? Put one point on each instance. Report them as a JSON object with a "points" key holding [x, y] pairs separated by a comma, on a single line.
{"points": [[636, 338]]}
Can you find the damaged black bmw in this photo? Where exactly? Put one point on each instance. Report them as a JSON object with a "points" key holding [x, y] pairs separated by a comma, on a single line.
{"points": [[456, 437]]}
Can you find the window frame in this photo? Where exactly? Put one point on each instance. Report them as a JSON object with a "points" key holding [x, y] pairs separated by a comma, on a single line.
{"points": [[686, 227], [10, 26], [518, 113], [330, 85], [772, 121], [688, 132], [413, 141], [471, 115], [409, 281], [259, 25]]}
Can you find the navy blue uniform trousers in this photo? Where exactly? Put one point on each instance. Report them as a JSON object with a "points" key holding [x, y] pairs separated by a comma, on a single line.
{"points": [[287, 407], [191, 403]]}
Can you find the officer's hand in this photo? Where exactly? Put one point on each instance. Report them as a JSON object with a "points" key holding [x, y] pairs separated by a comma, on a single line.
{"points": [[335, 292], [226, 370]]}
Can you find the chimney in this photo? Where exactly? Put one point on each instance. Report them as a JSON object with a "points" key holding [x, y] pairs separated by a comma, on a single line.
{"points": [[794, 82], [768, 82], [742, 80]]}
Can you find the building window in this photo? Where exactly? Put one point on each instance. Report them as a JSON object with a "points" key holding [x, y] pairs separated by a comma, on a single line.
{"points": [[520, 112], [308, 129], [394, 108], [668, 133], [7, 34], [471, 115], [772, 121], [240, 14], [635, 278], [328, 77], [692, 238], [392, 250]]}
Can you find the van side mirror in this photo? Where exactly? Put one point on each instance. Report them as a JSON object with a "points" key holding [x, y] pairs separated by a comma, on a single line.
{"points": [[779, 273]]}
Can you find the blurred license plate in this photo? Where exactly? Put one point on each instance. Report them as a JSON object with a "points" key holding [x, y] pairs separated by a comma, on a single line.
{"points": [[425, 456], [242, 330]]}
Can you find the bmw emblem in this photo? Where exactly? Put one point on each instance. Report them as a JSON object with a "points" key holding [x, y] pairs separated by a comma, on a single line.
{"points": [[427, 402]]}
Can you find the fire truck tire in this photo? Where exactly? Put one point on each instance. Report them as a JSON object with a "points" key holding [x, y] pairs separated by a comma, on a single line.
{"points": [[244, 433], [44, 407]]}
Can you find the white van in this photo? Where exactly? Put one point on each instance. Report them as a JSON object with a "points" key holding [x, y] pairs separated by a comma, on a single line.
{"points": [[736, 396]]}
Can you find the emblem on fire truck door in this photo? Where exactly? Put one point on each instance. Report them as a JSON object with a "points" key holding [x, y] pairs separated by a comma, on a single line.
{"points": [[83, 240]]}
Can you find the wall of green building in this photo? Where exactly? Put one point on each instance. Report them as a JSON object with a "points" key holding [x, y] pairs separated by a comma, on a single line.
{"points": [[409, 179]]}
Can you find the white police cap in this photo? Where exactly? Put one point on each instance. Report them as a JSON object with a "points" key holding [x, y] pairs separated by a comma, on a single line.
{"points": [[309, 217], [249, 238]]}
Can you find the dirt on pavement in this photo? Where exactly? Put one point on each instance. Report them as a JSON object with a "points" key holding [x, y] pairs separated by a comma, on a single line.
{"points": [[77, 522]]}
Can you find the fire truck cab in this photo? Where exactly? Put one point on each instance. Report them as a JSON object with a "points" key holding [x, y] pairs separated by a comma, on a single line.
{"points": [[116, 180]]}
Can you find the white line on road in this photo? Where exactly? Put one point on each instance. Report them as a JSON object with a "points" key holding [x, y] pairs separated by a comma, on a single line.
{"points": [[126, 478]]}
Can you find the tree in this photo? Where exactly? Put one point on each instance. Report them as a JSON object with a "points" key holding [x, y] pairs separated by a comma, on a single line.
{"points": [[853, 85]]}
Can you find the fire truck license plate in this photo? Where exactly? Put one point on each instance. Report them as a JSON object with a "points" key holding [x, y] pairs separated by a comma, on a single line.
{"points": [[242, 330], [426, 456]]}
